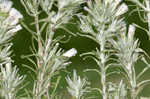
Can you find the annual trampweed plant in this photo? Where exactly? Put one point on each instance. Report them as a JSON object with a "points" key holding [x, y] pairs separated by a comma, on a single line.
{"points": [[103, 23]]}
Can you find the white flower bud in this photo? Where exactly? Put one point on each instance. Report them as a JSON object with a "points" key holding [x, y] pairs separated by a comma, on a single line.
{"points": [[131, 31], [70, 53], [5, 6], [8, 67], [13, 17], [15, 13], [122, 9], [16, 29]]}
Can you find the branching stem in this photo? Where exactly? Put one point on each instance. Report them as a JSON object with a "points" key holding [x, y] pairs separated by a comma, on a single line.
{"points": [[132, 78], [40, 52]]}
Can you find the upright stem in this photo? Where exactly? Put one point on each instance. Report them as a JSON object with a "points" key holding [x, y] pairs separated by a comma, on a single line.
{"points": [[40, 53], [39, 39], [9, 96], [148, 15], [132, 78], [133, 93], [103, 73]]}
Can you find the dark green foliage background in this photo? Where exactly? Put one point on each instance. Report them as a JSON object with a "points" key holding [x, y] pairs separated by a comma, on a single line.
{"points": [[22, 44]]}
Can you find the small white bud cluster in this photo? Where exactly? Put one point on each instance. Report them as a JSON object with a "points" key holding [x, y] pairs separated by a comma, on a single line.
{"points": [[131, 31], [70, 53], [8, 67], [5, 6], [12, 19], [122, 9]]}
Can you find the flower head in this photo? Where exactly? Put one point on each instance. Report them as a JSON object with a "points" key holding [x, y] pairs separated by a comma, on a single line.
{"points": [[122, 9], [70, 53], [13, 17], [5, 6]]}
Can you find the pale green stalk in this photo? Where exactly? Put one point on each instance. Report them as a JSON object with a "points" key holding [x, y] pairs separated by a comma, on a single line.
{"points": [[50, 59], [103, 16], [103, 71]]}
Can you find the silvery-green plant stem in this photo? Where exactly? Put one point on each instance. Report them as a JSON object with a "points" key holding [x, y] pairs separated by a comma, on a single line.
{"points": [[103, 73], [39, 86], [38, 33], [50, 59], [132, 77], [148, 16], [40, 74], [98, 14]]}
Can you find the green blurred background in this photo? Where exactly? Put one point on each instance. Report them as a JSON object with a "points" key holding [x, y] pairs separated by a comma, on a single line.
{"points": [[22, 44]]}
